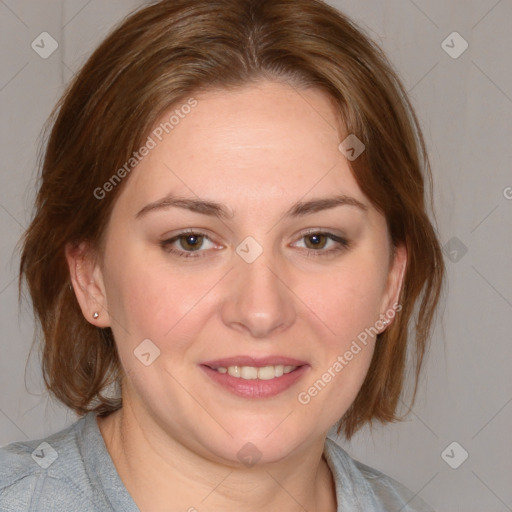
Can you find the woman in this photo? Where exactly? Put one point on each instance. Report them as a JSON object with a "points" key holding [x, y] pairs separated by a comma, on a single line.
{"points": [[229, 242]]}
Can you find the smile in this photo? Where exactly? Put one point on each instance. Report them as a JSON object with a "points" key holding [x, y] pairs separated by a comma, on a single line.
{"points": [[253, 372], [255, 381]]}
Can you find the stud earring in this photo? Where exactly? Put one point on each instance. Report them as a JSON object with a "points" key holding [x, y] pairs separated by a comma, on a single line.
{"points": [[385, 322], [95, 315]]}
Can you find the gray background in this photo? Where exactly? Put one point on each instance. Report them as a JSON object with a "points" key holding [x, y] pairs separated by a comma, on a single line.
{"points": [[465, 107]]}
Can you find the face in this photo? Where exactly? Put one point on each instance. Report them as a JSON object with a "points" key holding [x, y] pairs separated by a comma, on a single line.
{"points": [[242, 245]]}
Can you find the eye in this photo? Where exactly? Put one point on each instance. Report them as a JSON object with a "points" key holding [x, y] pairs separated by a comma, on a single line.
{"points": [[318, 243], [191, 242], [186, 243]]}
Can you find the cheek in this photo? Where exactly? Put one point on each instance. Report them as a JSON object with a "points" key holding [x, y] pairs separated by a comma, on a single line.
{"points": [[347, 304], [346, 299], [147, 299]]}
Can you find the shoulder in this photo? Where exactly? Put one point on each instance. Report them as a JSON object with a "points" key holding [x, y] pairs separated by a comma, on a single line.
{"points": [[365, 488], [47, 474]]}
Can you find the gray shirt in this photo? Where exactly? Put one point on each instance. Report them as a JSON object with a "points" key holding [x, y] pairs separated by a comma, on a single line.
{"points": [[72, 470]]}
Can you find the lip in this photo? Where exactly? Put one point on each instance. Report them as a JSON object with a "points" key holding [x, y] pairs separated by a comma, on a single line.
{"points": [[257, 362], [255, 388]]}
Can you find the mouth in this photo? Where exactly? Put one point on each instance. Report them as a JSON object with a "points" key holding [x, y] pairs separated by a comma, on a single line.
{"points": [[251, 368], [253, 372], [255, 378]]}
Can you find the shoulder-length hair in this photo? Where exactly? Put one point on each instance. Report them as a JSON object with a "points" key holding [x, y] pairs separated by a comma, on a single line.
{"points": [[158, 57]]}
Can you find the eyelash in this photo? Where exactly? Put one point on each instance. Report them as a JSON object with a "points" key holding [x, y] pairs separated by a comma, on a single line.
{"points": [[343, 244]]}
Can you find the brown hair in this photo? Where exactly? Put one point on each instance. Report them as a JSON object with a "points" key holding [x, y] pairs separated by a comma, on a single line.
{"points": [[154, 59]]}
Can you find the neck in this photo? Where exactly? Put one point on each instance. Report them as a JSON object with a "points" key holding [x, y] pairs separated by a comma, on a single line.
{"points": [[160, 472]]}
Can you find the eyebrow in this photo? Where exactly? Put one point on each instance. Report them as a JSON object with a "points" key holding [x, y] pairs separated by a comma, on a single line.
{"points": [[214, 209]]}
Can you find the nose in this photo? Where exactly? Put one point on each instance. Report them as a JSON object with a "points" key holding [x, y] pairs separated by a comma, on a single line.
{"points": [[258, 300]]}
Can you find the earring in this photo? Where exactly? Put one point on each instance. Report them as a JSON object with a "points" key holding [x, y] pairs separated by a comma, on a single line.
{"points": [[385, 322], [95, 315]]}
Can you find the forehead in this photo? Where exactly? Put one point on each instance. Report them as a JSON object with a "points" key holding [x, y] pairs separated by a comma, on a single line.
{"points": [[265, 141]]}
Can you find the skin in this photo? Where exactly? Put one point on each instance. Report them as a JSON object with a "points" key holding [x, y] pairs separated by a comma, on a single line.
{"points": [[257, 151]]}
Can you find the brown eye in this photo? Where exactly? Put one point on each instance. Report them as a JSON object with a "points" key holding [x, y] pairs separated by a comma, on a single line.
{"points": [[316, 241], [191, 242], [320, 243]]}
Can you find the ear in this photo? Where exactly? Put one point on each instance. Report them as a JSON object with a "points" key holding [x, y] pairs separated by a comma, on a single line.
{"points": [[87, 280], [397, 267]]}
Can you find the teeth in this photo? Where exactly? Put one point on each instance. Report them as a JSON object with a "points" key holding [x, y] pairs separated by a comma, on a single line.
{"points": [[234, 371], [251, 372]]}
